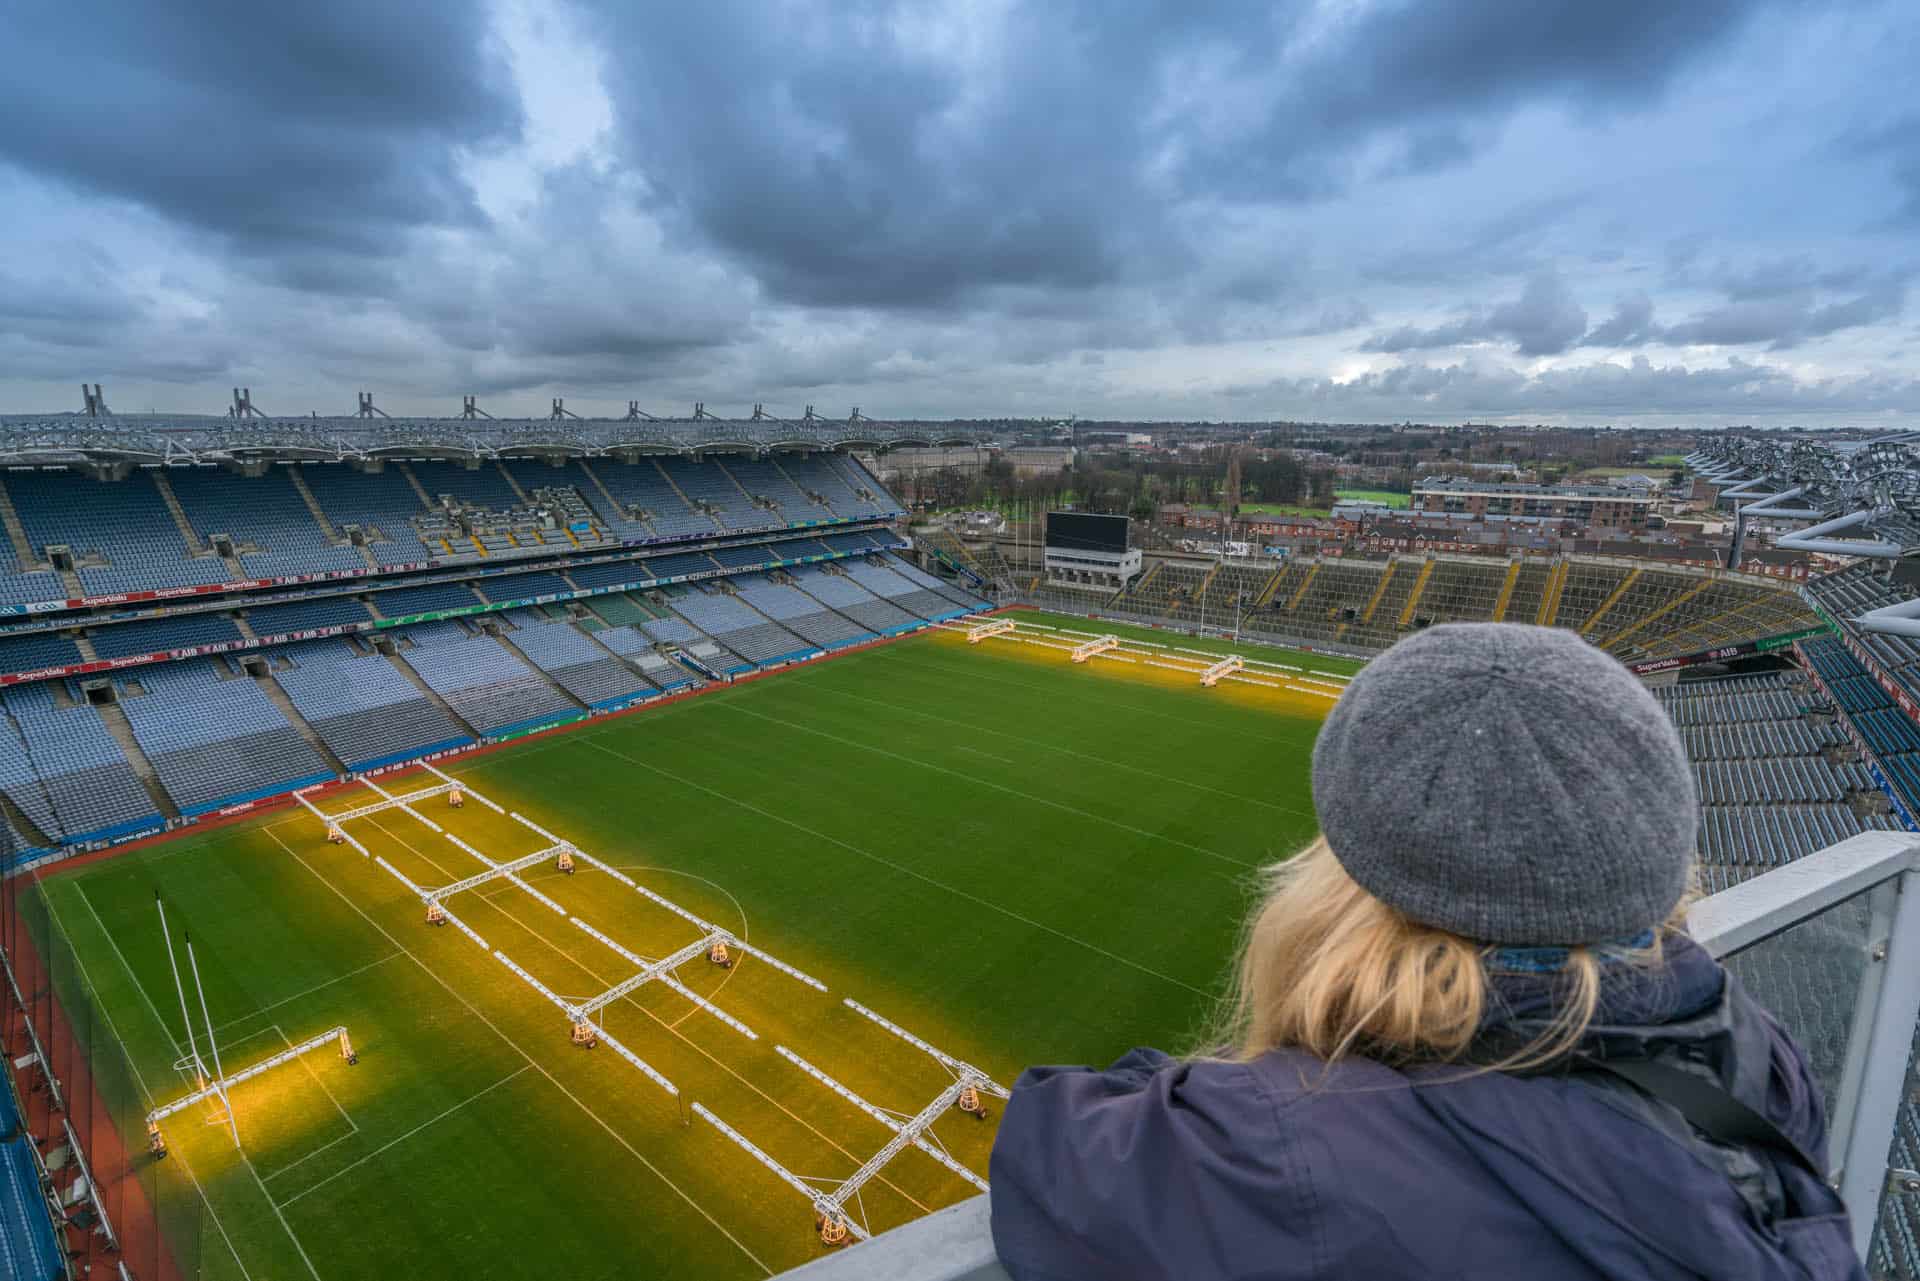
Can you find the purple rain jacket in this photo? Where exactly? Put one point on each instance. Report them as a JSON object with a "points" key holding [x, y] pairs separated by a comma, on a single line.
{"points": [[1162, 1169]]}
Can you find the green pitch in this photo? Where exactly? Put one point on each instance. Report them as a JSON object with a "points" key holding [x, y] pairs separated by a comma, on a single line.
{"points": [[1017, 859]]}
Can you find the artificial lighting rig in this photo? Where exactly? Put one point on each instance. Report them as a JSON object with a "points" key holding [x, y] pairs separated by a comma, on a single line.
{"points": [[838, 1214]]}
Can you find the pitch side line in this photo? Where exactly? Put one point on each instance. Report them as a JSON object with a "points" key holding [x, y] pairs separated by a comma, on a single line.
{"points": [[531, 1062], [917, 874]]}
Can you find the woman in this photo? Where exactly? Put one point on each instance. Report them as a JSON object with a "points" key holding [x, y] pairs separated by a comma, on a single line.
{"points": [[1439, 1006]]}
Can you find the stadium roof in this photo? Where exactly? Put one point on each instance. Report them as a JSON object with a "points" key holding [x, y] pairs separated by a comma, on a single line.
{"points": [[1864, 500], [49, 440]]}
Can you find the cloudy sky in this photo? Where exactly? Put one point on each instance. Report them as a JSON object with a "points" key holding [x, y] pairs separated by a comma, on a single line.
{"points": [[1637, 211]]}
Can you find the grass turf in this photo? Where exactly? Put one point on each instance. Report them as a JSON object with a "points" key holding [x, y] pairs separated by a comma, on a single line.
{"points": [[1018, 859], [1391, 498]]}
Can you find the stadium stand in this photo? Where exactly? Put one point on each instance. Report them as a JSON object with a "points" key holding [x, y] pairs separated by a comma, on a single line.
{"points": [[579, 666], [640, 649], [29, 1248], [924, 595], [709, 488], [27, 651], [1856, 590], [366, 711], [213, 738], [405, 601], [64, 770], [618, 609], [299, 616], [756, 556], [25, 576], [119, 533], [1777, 778], [521, 586], [736, 627], [844, 594], [152, 636], [611, 574], [265, 519], [1876, 718], [646, 496], [379, 505], [859, 493], [766, 480], [484, 682], [798, 612], [683, 563]]}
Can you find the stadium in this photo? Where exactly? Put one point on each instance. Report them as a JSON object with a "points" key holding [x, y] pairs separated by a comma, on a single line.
{"points": [[776, 834]]}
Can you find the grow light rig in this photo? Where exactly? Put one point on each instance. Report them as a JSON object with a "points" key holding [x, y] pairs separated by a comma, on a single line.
{"points": [[837, 1211]]}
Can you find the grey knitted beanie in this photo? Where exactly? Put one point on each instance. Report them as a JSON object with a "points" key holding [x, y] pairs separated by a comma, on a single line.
{"points": [[1511, 784]]}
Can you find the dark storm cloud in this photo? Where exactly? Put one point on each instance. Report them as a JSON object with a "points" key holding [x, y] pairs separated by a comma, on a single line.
{"points": [[1630, 325], [300, 132], [1784, 320], [845, 154], [1544, 320]]}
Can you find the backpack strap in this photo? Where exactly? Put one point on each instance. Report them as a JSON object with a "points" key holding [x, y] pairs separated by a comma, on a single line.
{"points": [[1705, 1105]]}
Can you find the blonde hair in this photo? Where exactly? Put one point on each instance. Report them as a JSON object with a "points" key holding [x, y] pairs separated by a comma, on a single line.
{"points": [[1328, 968]]}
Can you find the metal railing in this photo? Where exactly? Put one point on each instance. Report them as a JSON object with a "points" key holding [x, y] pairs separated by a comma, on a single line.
{"points": [[1872, 879]]}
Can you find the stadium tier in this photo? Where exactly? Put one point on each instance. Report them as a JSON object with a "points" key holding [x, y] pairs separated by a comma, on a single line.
{"points": [[1777, 777], [271, 624], [89, 758], [75, 536], [1640, 612]]}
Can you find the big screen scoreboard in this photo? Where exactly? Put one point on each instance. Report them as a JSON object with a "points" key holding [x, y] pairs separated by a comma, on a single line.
{"points": [[1079, 532], [1089, 551]]}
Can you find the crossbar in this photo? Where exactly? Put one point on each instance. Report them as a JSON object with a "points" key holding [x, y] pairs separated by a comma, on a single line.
{"points": [[219, 1088]]}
